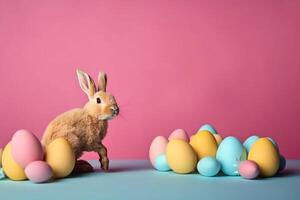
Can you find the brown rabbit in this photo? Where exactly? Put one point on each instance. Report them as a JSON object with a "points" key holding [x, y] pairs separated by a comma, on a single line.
{"points": [[86, 127]]}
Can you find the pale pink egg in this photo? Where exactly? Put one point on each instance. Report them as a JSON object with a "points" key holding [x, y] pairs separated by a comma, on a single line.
{"points": [[248, 169], [218, 138], [26, 148], [38, 172], [179, 134], [157, 147]]}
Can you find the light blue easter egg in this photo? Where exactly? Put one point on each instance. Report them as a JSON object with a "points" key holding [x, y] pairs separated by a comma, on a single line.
{"points": [[2, 175], [208, 127], [161, 163], [208, 166], [230, 153], [250, 141]]}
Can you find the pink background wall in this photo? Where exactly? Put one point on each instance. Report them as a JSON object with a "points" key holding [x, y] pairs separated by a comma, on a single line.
{"points": [[170, 64]]}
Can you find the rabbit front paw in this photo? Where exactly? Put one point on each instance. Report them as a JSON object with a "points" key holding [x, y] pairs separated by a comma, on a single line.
{"points": [[104, 163]]}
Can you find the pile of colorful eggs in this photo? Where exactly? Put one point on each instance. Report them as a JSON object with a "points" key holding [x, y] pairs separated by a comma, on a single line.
{"points": [[25, 158], [207, 152]]}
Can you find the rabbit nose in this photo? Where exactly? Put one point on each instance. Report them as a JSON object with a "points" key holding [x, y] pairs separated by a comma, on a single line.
{"points": [[115, 110]]}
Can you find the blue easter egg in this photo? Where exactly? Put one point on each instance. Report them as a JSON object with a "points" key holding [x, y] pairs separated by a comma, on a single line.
{"points": [[2, 175], [250, 141], [208, 166], [282, 163], [161, 163], [208, 127], [230, 153]]}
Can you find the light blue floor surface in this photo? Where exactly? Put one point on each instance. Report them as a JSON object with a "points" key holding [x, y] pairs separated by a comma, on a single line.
{"points": [[135, 179]]}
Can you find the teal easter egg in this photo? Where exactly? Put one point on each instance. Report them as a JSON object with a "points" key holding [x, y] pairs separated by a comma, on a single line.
{"points": [[230, 153], [2, 175], [282, 163], [161, 163], [250, 141], [208, 166], [208, 127]]}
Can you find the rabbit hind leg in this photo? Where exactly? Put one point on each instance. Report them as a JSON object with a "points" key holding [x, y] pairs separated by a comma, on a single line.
{"points": [[82, 166]]}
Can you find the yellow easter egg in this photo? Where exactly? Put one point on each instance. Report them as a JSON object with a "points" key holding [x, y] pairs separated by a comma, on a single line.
{"points": [[265, 154], [10, 167], [60, 156], [181, 156], [204, 144], [218, 138]]}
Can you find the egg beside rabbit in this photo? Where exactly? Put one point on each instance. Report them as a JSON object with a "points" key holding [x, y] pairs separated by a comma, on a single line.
{"points": [[23, 158]]}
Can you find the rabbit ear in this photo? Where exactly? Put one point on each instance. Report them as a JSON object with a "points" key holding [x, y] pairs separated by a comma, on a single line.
{"points": [[86, 83], [102, 81]]}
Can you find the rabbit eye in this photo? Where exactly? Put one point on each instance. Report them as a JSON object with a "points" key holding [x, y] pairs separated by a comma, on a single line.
{"points": [[98, 100]]}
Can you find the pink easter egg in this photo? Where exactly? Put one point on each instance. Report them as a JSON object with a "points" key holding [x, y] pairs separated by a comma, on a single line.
{"points": [[218, 138], [157, 147], [179, 134], [248, 169], [38, 171], [26, 148]]}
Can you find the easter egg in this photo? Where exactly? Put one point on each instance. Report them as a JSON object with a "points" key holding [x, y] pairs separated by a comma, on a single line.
{"points": [[208, 127], [265, 154], [60, 157], [208, 166], [161, 163], [282, 163], [38, 171], [26, 148], [248, 169], [218, 138], [230, 153], [204, 144], [157, 147], [179, 134], [180, 156], [2, 175], [273, 141], [11, 168], [250, 141]]}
